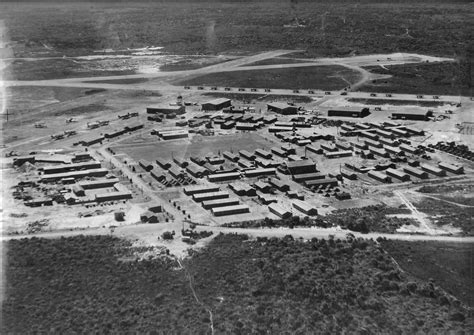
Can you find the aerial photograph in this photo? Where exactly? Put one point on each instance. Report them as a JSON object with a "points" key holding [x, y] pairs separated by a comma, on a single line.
{"points": [[237, 167]]}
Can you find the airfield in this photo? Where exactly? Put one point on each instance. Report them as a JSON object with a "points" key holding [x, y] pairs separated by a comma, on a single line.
{"points": [[64, 129]]}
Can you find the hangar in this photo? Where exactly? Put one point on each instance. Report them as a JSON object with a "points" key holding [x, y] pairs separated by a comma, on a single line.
{"points": [[413, 114], [349, 112], [282, 108], [216, 104]]}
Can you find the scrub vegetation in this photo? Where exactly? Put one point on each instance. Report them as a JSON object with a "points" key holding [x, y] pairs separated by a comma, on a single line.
{"points": [[94, 284]]}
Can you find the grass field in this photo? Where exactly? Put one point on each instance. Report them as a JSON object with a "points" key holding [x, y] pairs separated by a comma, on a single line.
{"points": [[443, 213], [95, 285], [450, 265], [396, 102], [436, 78], [252, 98], [200, 146], [278, 60], [317, 77]]}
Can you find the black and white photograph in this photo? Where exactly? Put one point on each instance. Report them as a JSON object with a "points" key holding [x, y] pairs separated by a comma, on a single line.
{"points": [[236, 167]]}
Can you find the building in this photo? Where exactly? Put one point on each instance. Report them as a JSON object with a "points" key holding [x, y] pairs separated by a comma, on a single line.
{"points": [[279, 152], [331, 182], [113, 196], [230, 210], [218, 177], [146, 165], [134, 126], [173, 135], [39, 202], [94, 184], [348, 174], [399, 132], [246, 164], [301, 178], [220, 203], [92, 140], [228, 125], [328, 146], [163, 163], [78, 190], [279, 185], [413, 114], [191, 190], [262, 186], [166, 109], [158, 176], [216, 104], [304, 207], [379, 176], [200, 197], [243, 189], [456, 169], [369, 135], [279, 129], [279, 211], [74, 174], [263, 153], [247, 155], [416, 172], [349, 112], [230, 156], [282, 108], [338, 154], [394, 150], [433, 170], [71, 167], [260, 172], [180, 161], [18, 161], [400, 175], [295, 195], [246, 126], [269, 119], [196, 171], [301, 166], [409, 149], [266, 198], [379, 152], [384, 133], [414, 131]]}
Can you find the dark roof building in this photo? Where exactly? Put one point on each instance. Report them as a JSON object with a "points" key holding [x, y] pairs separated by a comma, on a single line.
{"points": [[216, 104], [301, 166], [349, 112], [166, 109], [282, 108], [414, 114]]}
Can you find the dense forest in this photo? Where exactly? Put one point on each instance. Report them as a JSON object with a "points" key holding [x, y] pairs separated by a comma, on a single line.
{"points": [[96, 284]]}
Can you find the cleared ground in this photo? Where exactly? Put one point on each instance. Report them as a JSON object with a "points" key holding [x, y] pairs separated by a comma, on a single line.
{"points": [[319, 77]]}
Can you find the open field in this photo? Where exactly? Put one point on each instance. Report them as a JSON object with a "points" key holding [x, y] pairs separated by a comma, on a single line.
{"points": [[319, 77], [199, 147], [443, 213], [437, 78], [448, 265], [281, 285]]}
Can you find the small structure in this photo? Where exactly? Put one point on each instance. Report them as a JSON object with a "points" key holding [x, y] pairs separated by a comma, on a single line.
{"points": [[338, 154], [456, 169], [416, 172], [433, 170], [304, 207], [263, 153], [163, 163], [279, 185], [230, 210], [217, 177], [146, 165], [279, 211], [247, 155], [209, 204], [243, 189], [200, 197], [246, 126], [379, 176], [262, 186], [191, 190], [400, 175]]}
